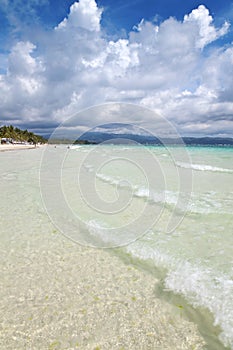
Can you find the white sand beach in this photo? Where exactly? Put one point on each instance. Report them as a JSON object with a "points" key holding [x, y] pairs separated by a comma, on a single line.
{"points": [[14, 147]]}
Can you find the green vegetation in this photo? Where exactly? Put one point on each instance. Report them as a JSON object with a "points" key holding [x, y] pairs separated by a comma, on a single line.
{"points": [[18, 135], [84, 142]]}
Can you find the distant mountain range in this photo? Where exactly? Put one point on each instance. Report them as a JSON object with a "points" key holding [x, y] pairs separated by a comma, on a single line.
{"points": [[99, 137]]}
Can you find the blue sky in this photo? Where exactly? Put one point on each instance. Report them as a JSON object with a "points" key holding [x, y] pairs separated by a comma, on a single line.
{"points": [[174, 57], [17, 15], [134, 11]]}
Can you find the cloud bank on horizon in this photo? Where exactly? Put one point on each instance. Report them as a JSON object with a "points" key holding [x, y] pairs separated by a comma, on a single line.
{"points": [[175, 68]]}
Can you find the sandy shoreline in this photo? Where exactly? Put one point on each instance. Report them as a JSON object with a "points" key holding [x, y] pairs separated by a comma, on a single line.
{"points": [[10, 147], [56, 294]]}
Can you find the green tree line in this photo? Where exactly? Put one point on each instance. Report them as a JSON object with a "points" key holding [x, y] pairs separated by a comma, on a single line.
{"points": [[19, 135]]}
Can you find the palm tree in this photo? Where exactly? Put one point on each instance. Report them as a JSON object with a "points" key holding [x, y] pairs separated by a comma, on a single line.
{"points": [[20, 135]]}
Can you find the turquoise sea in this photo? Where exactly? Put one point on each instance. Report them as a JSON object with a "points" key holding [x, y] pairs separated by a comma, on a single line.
{"points": [[167, 209]]}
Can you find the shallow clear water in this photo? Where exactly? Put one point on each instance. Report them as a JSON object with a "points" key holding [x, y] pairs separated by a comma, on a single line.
{"points": [[167, 208], [170, 207]]}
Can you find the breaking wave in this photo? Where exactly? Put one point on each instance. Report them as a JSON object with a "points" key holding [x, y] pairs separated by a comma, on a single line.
{"points": [[203, 167]]}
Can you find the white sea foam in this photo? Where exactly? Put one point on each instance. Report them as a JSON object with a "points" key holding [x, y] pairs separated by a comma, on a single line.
{"points": [[99, 230], [89, 167], [116, 181], [200, 286], [203, 167], [109, 179], [74, 147], [106, 236], [168, 197], [79, 148], [204, 203], [204, 288]]}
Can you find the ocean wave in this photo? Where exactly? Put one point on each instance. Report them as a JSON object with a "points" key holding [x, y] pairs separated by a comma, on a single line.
{"points": [[100, 231], [74, 147], [104, 235], [168, 197], [112, 180], [203, 167], [200, 286], [201, 203], [198, 282]]}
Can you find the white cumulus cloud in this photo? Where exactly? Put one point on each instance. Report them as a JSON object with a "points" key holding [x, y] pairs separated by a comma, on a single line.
{"points": [[83, 14], [167, 67], [202, 20]]}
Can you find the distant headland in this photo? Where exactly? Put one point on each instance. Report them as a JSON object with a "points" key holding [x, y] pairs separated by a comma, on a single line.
{"points": [[10, 134], [13, 135], [89, 138]]}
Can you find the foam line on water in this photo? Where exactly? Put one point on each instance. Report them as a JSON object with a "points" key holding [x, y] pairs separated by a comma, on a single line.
{"points": [[201, 286], [204, 203], [203, 167]]}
